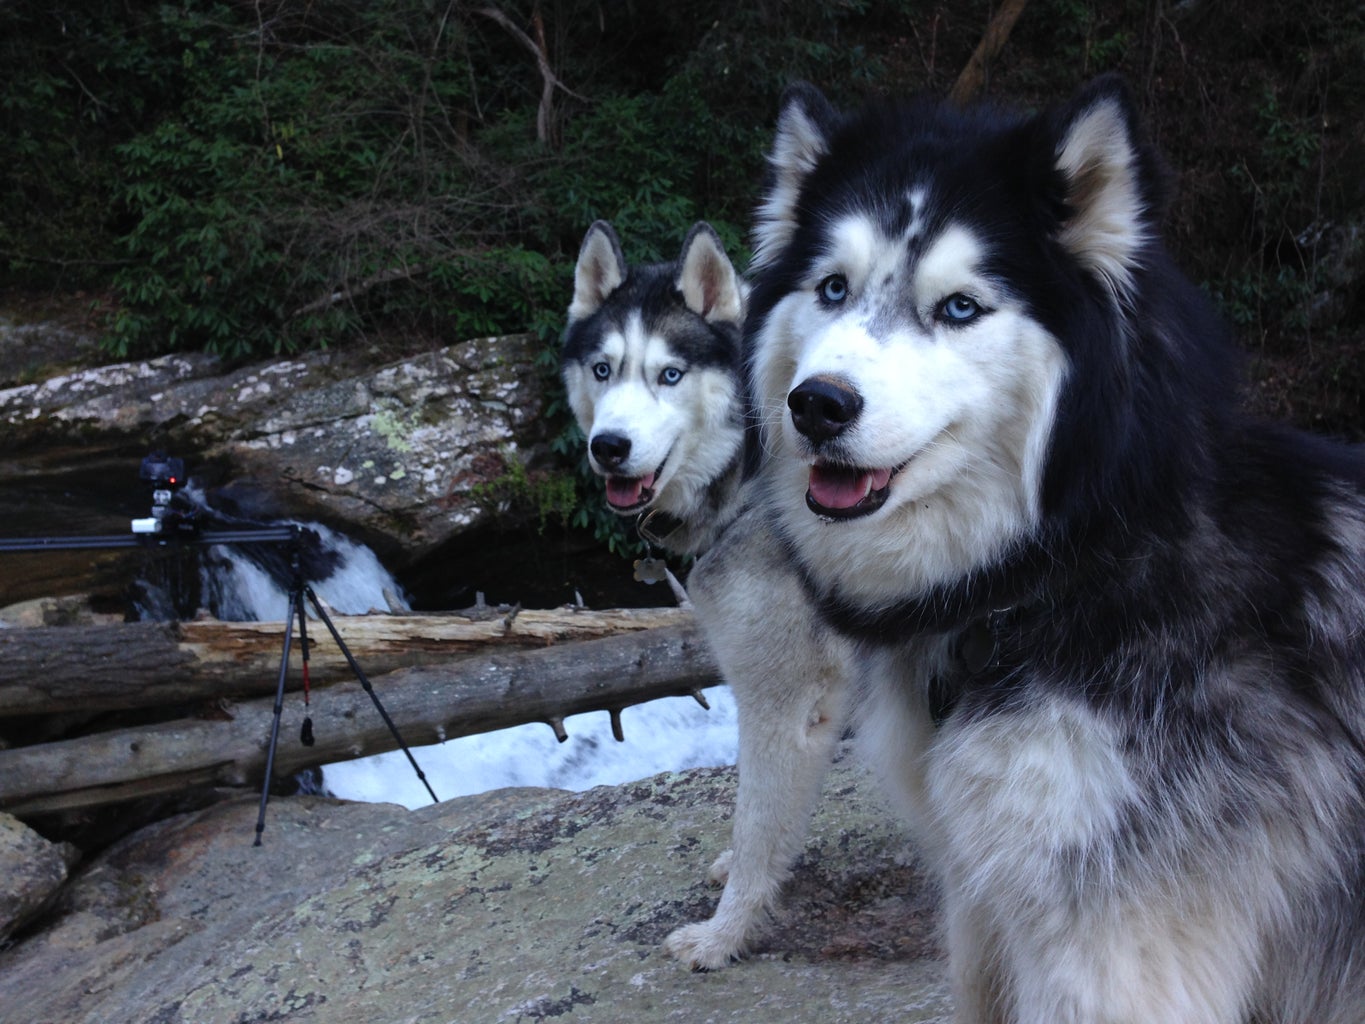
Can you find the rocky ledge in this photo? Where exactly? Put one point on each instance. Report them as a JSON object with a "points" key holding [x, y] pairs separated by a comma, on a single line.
{"points": [[398, 449], [516, 905]]}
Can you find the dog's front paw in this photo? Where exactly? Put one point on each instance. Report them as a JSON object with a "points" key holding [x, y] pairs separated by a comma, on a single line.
{"points": [[703, 946], [720, 868]]}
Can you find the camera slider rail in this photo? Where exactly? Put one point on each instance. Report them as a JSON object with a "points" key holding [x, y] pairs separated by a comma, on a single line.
{"points": [[260, 535]]}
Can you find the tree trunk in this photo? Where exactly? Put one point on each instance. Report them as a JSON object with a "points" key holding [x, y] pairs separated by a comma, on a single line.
{"points": [[54, 670], [428, 704], [970, 80]]}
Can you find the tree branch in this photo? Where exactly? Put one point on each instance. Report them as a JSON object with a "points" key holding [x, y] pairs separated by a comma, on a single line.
{"points": [[550, 81], [351, 291]]}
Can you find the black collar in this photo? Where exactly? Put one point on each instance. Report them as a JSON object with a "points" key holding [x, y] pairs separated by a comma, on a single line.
{"points": [[979, 644], [1024, 581]]}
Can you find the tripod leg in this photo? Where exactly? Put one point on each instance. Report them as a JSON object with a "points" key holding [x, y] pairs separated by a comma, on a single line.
{"points": [[365, 683], [306, 731], [295, 604]]}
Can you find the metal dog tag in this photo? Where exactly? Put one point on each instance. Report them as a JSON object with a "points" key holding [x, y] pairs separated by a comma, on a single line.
{"points": [[650, 570]]}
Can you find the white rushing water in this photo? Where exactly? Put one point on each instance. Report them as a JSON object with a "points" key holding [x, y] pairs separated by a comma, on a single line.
{"points": [[662, 735]]}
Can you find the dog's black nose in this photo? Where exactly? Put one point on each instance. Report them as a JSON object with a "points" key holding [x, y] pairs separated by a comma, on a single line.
{"points": [[824, 407], [610, 450]]}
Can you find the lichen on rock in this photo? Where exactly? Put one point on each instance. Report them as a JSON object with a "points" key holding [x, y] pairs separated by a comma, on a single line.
{"points": [[512, 905]]}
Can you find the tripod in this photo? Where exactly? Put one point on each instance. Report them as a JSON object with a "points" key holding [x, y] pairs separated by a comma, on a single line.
{"points": [[298, 588]]}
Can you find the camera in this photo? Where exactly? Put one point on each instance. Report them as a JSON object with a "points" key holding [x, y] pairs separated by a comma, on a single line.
{"points": [[165, 473]]}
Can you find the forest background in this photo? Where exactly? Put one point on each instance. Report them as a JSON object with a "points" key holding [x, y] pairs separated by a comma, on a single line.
{"points": [[257, 178]]}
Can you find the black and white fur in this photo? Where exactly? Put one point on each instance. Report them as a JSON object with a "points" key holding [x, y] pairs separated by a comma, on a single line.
{"points": [[651, 365], [1102, 634], [626, 326]]}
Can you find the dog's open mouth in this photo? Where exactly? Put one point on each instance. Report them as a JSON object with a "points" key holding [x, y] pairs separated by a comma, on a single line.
{"points": [[847, 492], [629, 494], [626, 494]]}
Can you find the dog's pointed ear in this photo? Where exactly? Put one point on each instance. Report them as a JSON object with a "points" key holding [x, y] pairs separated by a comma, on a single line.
{"points": [[1111, 180], [707, 279], [804, 124], [601, 269]]}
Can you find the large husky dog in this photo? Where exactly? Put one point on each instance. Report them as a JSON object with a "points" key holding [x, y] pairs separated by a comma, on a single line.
{"points": [[651, 365], [1108, 633]]}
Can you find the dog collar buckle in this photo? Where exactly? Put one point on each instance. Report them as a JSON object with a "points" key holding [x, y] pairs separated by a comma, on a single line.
{"points": [[656, 526], [979, 645]]}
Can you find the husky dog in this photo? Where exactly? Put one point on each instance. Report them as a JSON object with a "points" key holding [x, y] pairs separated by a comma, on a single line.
{"points": [[1107, 632], [651, 364]]}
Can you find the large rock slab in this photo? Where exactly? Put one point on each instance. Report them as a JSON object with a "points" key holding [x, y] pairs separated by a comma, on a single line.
{"points": [[518, 905], [404, 449]]}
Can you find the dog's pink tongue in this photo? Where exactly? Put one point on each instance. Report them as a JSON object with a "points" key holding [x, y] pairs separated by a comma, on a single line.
{"points": [[843, 486], [624, 492]]}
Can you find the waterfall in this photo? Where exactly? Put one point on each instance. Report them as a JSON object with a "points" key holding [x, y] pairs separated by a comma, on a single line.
{"points": [[243, 590]]}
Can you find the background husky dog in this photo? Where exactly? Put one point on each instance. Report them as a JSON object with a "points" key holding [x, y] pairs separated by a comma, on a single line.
{"points": [[1110, 633], [651, 364]]}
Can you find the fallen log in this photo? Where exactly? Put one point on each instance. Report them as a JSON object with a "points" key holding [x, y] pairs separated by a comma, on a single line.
{"points": [[52, 670], [428, 704]]}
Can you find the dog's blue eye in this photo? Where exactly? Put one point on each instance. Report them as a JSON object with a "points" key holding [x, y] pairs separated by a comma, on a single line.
{"points": [[833, 289], [601, 371], [958, 309], [670, 376]]}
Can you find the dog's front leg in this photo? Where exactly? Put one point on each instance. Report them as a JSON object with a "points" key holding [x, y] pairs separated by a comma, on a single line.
{"points": [[790, 681]]}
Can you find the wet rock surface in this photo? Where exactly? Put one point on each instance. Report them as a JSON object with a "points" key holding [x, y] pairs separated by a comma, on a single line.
{"points": [[516, 905]]}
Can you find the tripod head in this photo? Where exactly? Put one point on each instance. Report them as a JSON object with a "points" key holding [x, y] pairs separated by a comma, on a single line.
{"points": [[166, 473]]}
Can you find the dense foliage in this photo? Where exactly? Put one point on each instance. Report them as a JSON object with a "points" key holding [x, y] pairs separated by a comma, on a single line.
{"points": [[256, 178]]}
